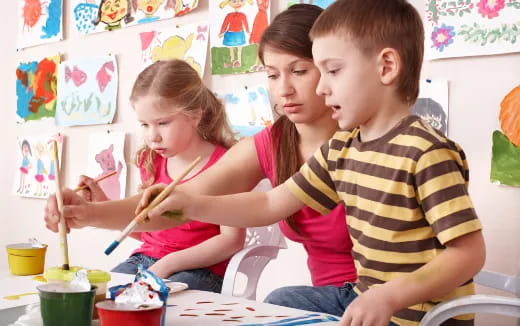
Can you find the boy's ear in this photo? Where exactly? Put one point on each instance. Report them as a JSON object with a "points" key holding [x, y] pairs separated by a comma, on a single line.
{"points": [[389, 63]]}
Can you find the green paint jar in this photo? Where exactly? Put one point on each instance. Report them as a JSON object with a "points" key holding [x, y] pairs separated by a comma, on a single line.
{"points": [[61, 307]]}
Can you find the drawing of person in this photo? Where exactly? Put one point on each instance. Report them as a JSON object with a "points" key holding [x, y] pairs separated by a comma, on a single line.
{"points": [[259, 26], [26, 164], [40, 151], [111, 12], [148, 7], [233, 27], [431, 111]]}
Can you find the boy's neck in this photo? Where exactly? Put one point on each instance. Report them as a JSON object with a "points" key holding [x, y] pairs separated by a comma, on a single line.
{"points": [[383, 121]]}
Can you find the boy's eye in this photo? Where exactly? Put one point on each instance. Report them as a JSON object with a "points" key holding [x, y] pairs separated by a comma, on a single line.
{"points": [[144, 125], [299, 72], [163, 123]]}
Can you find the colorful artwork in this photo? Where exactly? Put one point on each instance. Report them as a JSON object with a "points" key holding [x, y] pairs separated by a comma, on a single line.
{"points": [[456, 28], [505, 161], [189, 43], [93, 16], [105, 155], [36, 89], [87, 91], [236, 28], [432, 104], [308, 319], [248, 110], [36, 170], [39, 22], [320, 3]]}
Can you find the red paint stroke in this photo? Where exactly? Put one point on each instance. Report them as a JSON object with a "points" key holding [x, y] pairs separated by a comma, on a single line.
{"points": [[222, 310], [44, 84], [214, 314], [237, 317], [189, 315], [202, 302], [281, 316], [262, 316], [250, 309], [190, 309]]}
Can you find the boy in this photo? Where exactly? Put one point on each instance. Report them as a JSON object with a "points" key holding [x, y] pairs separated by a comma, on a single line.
{"points": [[417, 239]]}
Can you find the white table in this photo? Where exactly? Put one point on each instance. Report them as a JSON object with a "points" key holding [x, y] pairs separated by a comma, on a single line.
{"points": [[189, 307]]}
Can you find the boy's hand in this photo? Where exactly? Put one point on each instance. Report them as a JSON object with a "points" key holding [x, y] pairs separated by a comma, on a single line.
{"points": [[372, 308], [75, 211], [93, 192]]}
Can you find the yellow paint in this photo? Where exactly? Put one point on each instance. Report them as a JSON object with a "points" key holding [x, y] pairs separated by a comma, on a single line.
{"points": [[17, 296], [40, 278]]}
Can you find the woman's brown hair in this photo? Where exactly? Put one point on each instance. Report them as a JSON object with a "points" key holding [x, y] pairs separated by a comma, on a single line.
{"points": [[179, 87], [289, 33]]}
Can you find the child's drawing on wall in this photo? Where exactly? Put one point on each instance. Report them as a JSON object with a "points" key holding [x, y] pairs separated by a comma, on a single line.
{"points": [[35, 176], [148, 8], [39, 22], [87, 91], [36, 88], [106, 156], [320, 3], [188, 42], [432, 103], [259, 25], [112, 12], [230, 32], [25, 166]]}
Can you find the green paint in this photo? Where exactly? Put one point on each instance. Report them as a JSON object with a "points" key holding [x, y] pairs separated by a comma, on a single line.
{"points": [[474, 33], [65, 309], [505, 161], [221, 55], [175, 214]]}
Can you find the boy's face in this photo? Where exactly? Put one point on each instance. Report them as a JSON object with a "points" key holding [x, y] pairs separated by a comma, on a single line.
{"points": [[349, 80]]}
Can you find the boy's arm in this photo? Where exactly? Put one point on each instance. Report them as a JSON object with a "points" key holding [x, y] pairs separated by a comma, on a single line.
{"points": [[458, 263], [239, 210], [207, 253]]}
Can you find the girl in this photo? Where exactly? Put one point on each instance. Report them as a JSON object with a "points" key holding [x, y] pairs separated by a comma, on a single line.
{"points": [[180, 119], [275, 153]]}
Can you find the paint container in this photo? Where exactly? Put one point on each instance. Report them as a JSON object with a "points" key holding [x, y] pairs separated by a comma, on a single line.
{"points": [[96, 277], [61, 307], [115, 314], [24, 259]]}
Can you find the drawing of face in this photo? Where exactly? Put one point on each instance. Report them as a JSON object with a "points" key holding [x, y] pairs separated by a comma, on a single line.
{"points": [[237, 4], [149, 7], [25, 149], [112, 11]]}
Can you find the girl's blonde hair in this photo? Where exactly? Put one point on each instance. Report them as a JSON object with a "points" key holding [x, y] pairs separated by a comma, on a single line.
{"points": [[179, 87]]}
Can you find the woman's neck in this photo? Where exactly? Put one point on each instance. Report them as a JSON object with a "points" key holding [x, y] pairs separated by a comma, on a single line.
{"points": [[315, 134]]}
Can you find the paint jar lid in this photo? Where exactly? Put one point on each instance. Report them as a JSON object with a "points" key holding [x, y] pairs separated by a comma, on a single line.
{"points": [[58, 274]]}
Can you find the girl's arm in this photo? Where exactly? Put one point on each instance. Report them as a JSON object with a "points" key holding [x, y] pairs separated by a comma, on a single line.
{"points": [[207, 253]]}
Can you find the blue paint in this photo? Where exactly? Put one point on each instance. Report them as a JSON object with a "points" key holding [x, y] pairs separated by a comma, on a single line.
{"points": [[111, 248], [252, 97], [84, 14], [53, 24], [23, 93]]}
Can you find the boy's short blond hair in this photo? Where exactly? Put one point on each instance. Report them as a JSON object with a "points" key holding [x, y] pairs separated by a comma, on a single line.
{"points": [[376, 24]]}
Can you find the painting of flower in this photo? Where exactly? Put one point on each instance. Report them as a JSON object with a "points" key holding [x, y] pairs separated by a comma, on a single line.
{"points": [[442, 36], [490, 8]]}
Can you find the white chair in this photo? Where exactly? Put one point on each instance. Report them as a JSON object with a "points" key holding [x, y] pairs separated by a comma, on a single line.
{"points": [[480, 303], [261, 245]]}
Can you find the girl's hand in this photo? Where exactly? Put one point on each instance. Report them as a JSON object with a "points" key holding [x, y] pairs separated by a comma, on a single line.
{"points": [[159, 269], [75, 211], [93, 192]]}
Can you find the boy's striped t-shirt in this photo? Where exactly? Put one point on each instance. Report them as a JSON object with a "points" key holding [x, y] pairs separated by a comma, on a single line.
{"points": [[405, 195]]}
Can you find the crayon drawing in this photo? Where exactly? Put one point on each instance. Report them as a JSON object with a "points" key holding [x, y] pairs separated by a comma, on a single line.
{"points": [[320, 3], [36, 89], [189, 43], [105, 155], [236, 28], [248, 109], [457, 28], [93, 16], [505, 160], [432, 104], [36, 169], [39, 22], [87, 91]]}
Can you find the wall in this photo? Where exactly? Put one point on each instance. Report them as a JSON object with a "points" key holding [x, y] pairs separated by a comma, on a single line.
{"points": [[477, 85]]}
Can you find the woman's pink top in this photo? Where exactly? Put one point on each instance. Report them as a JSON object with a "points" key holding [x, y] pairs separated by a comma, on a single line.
{"points": [[324, 237], [160, 243]]}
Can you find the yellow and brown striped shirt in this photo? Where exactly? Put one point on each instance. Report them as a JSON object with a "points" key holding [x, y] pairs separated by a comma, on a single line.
{"points": [[405, 195]]}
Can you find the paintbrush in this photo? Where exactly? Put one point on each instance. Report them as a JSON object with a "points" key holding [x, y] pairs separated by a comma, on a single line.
{"points": [[144, 213], [62, 227], [96, 180]]}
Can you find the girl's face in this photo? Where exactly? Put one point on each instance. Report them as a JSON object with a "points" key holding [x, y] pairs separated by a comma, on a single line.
{"points": [[237, 4], [166, 130], [113, 11], [292, 80]]}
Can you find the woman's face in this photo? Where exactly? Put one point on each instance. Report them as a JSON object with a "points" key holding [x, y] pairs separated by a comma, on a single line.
{"points": [[292, 81]]}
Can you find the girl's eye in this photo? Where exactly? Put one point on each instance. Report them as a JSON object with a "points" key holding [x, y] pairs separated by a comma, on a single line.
{"points": [[163, 123]]}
